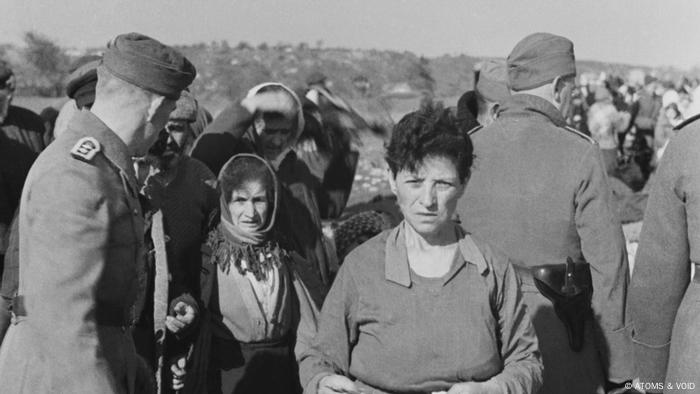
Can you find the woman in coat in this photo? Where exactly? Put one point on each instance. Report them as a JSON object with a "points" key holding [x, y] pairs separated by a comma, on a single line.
{"points": [[258, 313]]}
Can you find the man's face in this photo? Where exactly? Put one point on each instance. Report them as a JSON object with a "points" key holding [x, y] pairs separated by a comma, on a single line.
{"points": [[275, 135], [156, 124], [565, 94]]}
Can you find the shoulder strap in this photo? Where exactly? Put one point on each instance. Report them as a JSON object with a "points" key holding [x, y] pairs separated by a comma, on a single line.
{"points": [[580, 134], [687, 122]]}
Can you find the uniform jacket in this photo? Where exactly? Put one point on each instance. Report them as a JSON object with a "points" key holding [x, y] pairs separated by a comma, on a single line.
{"points": [[81, 269], [540, 193], [668, 245], [396, 332]]}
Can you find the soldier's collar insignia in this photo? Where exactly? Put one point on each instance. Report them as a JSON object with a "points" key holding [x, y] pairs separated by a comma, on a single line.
{"points": [[86, 148]]}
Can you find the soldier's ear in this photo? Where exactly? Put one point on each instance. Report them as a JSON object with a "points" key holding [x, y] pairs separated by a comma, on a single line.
{"points": [[556, 89]]}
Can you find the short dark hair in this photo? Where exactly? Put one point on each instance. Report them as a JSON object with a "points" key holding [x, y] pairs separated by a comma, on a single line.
{"points": [[244, 170], [430, 131]]}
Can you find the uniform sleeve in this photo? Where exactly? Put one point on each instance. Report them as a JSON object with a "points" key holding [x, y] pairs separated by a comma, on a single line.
{"points": [[662, 265], [70, 215], [337, 332], [603, 247], [522, 362]]}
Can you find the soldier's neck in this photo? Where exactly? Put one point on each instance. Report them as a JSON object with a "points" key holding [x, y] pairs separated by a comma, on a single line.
{"points": [[120, 122]]}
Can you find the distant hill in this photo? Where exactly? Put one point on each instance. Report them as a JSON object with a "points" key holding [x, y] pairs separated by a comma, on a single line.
{"points": [[225, 72]]}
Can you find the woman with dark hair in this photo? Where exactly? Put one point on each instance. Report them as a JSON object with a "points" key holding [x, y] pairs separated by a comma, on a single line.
{"points": [[424, 307], [258, 313]]}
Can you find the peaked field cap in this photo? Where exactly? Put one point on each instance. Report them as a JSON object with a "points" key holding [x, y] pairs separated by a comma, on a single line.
{"points": [[539, 58], [493, 81], [83, 75], [149, 64]]}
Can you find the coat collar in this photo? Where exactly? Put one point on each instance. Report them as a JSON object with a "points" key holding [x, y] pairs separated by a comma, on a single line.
{"points": [[86, 124], [523, 102], [397, 270]]}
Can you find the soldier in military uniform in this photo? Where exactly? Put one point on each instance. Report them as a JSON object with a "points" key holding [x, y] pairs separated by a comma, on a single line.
{"points": [[479, 107], [664, 302], [81, 232], [539, 192]]}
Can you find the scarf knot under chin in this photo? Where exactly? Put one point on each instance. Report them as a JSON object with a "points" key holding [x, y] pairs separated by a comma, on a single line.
{"points": [[257, 259]]}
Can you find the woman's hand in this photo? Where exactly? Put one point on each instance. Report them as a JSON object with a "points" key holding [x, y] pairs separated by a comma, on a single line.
{"points": [[475, 388], [333, 384], [275, 101], [184, 316]]}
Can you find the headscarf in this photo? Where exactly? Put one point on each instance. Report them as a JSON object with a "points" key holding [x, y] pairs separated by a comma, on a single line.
{"points": [[299, 109], [259, 248], [232, 231]]}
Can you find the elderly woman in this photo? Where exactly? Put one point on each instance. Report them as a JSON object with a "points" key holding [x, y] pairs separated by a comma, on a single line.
{"points": [[424, 307], [258, 313], [268, 121]]}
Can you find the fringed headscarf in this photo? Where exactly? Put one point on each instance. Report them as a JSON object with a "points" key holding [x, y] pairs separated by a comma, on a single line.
{"points": [[251, 251]]}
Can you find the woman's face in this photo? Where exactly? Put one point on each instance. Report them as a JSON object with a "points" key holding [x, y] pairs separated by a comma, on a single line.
{"points": [[428, 196], [275, 136], [249, 206]]}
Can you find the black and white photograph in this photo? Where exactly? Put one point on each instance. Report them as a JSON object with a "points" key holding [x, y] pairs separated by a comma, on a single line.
{"points": [[349, 197]]}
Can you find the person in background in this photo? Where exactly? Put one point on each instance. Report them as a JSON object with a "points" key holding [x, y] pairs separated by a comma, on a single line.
{"points": [[644, 114], [49, 115], [540, 193], [179, 198], [81, 232], [257, 315], [397, 317], [479, 107], [663, 300], [21, 140], [333, 156], [268, 121], [80, 89], [604, 124], [669, 119]]}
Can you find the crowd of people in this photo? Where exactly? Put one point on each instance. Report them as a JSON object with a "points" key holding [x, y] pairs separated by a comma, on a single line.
{"points": [[149, 247]]}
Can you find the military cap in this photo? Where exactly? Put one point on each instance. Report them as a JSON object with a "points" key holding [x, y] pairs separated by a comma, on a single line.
{"points": [[81, 83], [493, 81], [149, 64], [315, 78], [6, 75], [539, 58], [185, 108]]}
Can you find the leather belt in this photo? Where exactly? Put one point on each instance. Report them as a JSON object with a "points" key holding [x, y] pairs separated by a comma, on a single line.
{"points": [[105, 314]]}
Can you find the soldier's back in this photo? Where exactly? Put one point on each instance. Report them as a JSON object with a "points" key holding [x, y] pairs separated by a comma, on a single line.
{"points": [[521, 194]]}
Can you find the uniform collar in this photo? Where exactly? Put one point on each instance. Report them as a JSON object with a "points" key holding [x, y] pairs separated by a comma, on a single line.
{"points": [[523, 102], [397, 270], [86, 124]]}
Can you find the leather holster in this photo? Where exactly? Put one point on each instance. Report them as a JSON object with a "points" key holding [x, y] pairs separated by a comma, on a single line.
{"points": [[570, 289]]}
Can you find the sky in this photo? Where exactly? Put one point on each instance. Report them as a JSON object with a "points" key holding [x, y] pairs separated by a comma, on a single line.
{"points": [[644, 32]]}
